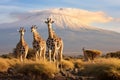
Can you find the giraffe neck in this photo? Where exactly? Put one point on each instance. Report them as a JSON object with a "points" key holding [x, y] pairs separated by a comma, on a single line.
{"points": [[36, 35], [22, 39], [50, 31], [55, 35]]}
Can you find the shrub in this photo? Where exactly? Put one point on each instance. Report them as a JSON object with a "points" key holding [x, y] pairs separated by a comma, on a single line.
{"points": [[44, 70], [9, 56], [67, 64], [92, 54], [31, 53], [104, 69], [113, 54], [6, 63], [78, 63]]}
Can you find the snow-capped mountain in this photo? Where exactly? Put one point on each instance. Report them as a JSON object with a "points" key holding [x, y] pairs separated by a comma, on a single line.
{"points": [[70, 24], [63, 17]]}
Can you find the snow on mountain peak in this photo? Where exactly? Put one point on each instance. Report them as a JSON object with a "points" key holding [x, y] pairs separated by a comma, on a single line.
{"points": [[63, 17]]}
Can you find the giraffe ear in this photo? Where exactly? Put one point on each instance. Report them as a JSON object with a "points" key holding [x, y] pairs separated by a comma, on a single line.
{"points": [[45, 21], [32, 25], [52, 21], [35, 26], [48, 19]]}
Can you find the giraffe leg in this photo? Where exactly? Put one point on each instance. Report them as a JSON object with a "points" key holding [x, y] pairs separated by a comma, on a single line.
{"points": [[88, 56], [36, 55], [44, 52], [57, 59], [55, 51], [60, 53], [21, 58], [60, 56], [54, 55], [49, 53], [40, 54], [25, 55]]}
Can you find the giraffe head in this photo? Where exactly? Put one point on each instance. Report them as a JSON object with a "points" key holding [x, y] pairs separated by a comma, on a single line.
{"points": [[22, 30], [49, 21], [83, 48], [33, 28]]}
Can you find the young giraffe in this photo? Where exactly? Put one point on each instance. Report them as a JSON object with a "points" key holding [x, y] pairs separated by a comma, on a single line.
{"points": [[39, 45], [22, 46], [54, 43]]}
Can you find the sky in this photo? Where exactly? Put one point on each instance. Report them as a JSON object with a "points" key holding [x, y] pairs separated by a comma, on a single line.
{"points": [[109, 8]]}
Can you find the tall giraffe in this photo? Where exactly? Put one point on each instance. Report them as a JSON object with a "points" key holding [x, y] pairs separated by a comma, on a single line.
{"points": [[54, 43], [22, 46], [39, 44]]}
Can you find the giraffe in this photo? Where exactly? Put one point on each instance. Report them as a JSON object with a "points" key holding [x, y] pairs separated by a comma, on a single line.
{"points": [[85, 55], [39, 44], [22, 46], [90, 55], [54, 43]]}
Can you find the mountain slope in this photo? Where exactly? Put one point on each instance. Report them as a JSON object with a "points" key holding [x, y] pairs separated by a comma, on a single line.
{"points": [[70, 24]]}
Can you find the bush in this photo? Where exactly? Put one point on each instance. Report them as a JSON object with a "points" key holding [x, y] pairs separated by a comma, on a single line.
{"points": [[6, 63], [9, 56], [31, 53], [78, 63], [113, 54], [92, 54], [104, 69], [67, 64], [44, 70]]}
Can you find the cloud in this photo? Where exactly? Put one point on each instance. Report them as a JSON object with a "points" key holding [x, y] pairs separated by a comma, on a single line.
{"points": [[117, 20], [5, 11], [92, 17], [84, 16], [76, 16]]}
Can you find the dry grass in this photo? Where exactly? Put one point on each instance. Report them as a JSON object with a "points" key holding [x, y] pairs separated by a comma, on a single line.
{"points": [[44, 68], [78, 63], [67, 64], [6, 63], [37, 68], [104, 69]]}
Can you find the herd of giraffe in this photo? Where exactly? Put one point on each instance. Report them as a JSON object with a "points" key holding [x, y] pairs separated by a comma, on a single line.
{"points": [[54, 44]]}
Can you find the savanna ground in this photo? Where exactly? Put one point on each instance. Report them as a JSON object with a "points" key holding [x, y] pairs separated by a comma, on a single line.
{"points": [[72, 69]]}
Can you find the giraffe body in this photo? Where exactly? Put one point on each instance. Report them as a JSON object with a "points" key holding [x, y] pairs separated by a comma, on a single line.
{"points": [[22, 46], [39, 44]]}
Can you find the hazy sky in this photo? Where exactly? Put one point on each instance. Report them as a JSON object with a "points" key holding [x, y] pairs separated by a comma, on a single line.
{"points": [[110, 8]]}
